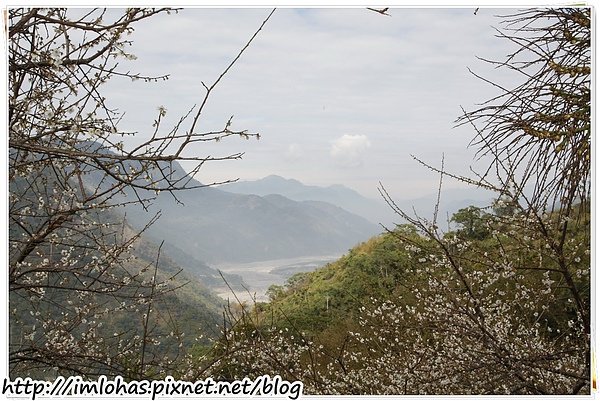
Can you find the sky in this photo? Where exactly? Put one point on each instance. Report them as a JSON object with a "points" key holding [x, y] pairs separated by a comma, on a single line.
{"points": [[339, 95]]}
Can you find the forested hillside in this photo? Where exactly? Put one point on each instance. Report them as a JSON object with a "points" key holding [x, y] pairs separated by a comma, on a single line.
{"points": [[150, 301], [477, 311]]}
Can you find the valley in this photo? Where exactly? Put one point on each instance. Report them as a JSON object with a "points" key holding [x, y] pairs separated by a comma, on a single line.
{"points": [[259, 276]]}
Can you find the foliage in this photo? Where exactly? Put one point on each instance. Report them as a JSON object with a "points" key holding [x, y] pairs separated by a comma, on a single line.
{"points": [[335, 292], [472, 223]]}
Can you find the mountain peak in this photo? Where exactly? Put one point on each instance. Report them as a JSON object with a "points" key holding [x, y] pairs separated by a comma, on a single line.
{"points": [[336, 194], [274, 178]]}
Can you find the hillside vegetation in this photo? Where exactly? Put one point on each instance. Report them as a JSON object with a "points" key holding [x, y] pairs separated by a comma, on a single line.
{"points": [[182, 312], [394, 264], [402, 314]]}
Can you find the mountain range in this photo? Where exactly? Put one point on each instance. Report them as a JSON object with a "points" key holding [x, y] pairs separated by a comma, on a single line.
{"points": [[215, 226], [268, 219], [374, 210]]}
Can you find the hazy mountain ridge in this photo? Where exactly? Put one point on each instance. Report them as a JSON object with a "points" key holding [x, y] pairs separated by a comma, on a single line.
{"points": [[215, 226], [374, 210], [194, 304]]}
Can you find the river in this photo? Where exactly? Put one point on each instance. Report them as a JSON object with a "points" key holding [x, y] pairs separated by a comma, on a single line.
{"points": [[259, 276]]}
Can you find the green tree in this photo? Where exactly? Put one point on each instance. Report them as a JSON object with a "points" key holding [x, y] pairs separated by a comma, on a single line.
{"points": [[471, 222]]}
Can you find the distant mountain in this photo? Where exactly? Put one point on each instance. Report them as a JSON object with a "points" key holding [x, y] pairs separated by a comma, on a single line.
{"points": [[215, 226], [373, 210], [194, 305]]}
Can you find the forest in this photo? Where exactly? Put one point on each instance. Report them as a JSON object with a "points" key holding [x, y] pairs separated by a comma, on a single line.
{"points": [[499, 302]]}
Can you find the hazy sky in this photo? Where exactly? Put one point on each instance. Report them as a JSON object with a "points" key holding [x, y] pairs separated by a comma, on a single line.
{"points": [[339, 95]]}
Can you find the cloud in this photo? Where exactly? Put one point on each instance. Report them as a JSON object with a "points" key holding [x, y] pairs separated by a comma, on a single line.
{"points": [[294, 152], [347, 150]]}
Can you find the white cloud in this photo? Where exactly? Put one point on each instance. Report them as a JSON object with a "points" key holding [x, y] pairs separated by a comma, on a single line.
{"points": [[347, 150], [294, 152]]}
